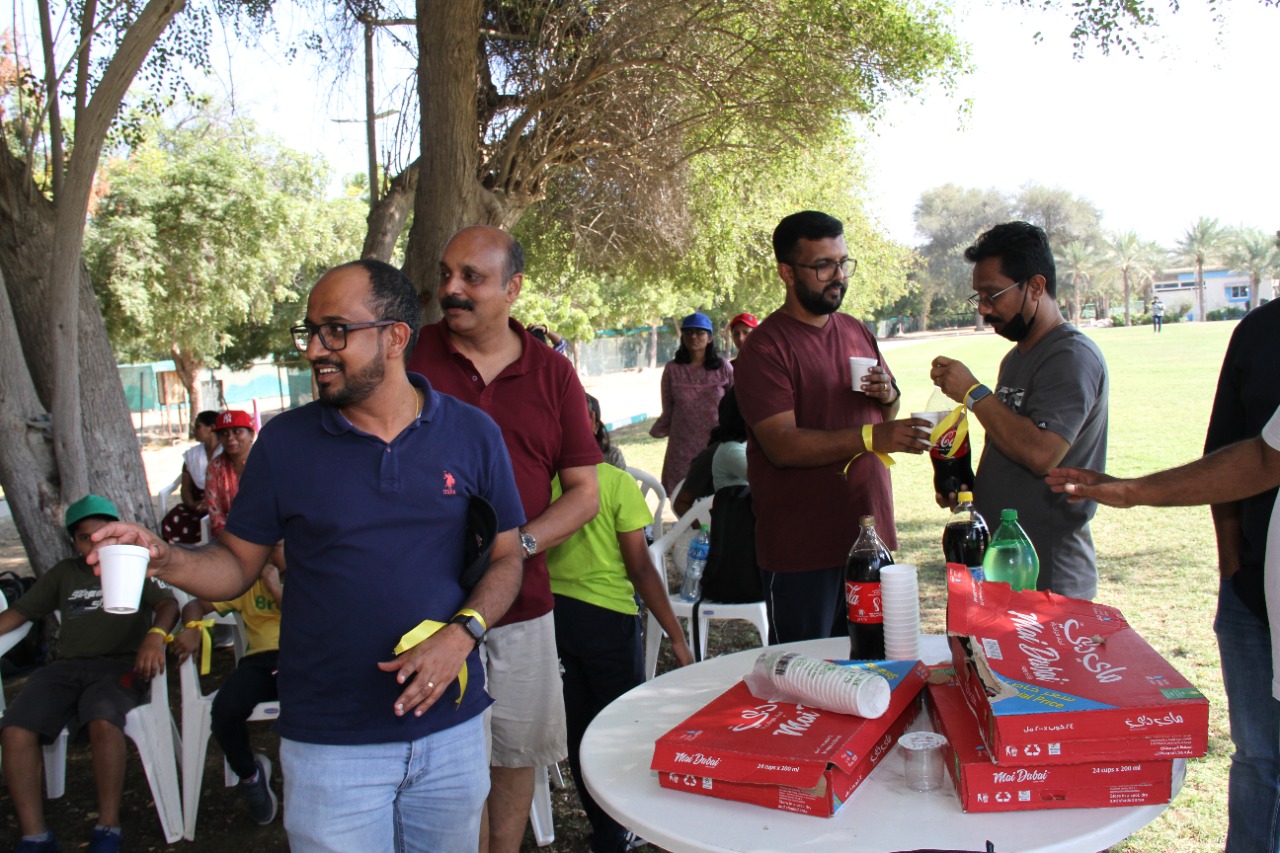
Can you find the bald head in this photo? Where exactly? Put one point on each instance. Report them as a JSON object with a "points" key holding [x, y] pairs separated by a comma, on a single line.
{"points": [[488, 234]]}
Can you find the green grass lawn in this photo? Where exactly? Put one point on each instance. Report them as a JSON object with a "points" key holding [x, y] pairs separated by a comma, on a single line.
{"points": [[1158, 566]]}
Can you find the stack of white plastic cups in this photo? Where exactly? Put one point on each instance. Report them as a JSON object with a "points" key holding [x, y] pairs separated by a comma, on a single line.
{"points": [[900, 599], [792, 677]]}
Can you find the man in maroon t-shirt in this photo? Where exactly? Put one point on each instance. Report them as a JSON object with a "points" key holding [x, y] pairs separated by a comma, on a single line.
{"points": [[478, 354], [806, 424]]}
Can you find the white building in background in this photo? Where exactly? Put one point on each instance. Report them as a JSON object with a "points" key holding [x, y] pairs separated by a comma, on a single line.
{"points": [[1223, 289]]}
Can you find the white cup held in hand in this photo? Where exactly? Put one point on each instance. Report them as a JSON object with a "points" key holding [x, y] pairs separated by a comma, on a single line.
{"points": [[124, 571], [859, 367]]}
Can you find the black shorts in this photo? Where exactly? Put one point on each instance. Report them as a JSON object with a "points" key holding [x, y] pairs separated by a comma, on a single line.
{"points": [[70, 693]]}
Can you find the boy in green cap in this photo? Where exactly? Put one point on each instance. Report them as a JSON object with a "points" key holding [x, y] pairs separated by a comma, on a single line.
{"points": [[105, 662]]}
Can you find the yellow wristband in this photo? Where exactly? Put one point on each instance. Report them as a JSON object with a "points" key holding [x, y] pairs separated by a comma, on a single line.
{"points": [[866, 438], [467, 611], [206, 641], [168, 638]]}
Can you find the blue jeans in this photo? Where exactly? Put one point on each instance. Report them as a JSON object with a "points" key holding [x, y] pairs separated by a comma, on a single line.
{"points": [[423, 795], [1253, 808]]}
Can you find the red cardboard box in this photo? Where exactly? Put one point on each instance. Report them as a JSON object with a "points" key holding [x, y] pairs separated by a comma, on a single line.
{"points": [[985, 787], [781, 755], [1057, 680]]}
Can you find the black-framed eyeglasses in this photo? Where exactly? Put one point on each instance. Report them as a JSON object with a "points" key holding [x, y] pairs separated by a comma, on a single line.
{"points": [[333, 336], [825, 271], [990, 301]]}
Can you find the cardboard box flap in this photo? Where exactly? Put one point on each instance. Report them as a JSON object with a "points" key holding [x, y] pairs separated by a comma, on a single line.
{"points": [[741, 738], [1036, 652]]}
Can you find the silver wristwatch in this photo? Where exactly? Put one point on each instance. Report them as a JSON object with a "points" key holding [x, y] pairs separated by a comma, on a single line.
{"points": [[528, 543]]}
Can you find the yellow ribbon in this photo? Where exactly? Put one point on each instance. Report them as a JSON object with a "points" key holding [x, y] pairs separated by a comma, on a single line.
{"points": [[425, 629], [206, 641], [957, 419], [884, 458], [168, 638]]}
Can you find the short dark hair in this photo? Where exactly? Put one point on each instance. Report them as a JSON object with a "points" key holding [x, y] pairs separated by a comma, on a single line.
{"points": [[602, 434], [732, 426], [207, 418], [805, 225], [515, 257], [1023, 250], [393, 296]]}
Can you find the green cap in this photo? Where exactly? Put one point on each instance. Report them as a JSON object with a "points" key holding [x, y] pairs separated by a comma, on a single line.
{"points": [[87, 506], [1008, 515]]}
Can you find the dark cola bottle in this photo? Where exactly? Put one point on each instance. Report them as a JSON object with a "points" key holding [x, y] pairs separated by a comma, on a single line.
{"points": [[966, 536], [862, 592], [952, 468]]}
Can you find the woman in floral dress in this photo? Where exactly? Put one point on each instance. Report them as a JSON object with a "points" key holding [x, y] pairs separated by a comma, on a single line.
{"points": [[692, 384]]}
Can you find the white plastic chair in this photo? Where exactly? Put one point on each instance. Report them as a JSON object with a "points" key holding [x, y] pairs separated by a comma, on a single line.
{"points": [[152, 729], [651, 486], [540, 816], [197, 725], [162, 499], [7, 642], [753, 612]]}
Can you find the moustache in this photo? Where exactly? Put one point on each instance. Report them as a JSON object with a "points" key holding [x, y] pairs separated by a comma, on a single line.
{"points": [[325, 362], [457, 302]]}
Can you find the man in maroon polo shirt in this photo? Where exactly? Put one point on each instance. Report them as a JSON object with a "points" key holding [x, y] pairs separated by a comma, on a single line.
{"points": [[480, 355], [806, 422]]}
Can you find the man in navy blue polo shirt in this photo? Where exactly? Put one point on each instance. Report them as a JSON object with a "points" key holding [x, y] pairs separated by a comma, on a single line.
{"points": [[369, 489]]}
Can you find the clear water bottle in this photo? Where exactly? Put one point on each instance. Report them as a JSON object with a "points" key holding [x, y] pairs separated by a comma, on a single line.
{"points": [[966, 536], [1011, 558], [699, 547]]}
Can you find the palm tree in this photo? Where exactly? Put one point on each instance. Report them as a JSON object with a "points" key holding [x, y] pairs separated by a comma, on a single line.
{"points": [[1198, 246], [1255, 252], [1077, 262], [1133, 258]]}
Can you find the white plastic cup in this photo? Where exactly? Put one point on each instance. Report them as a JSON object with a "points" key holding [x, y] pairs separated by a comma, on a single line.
{"points": [[791, 677], [124, 571], [859, 367], [922, 760], [934, 418]]}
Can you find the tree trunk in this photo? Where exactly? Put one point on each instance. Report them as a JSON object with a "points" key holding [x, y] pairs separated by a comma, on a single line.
{"points": [[1199, 291], [389, 215], [448, 195], [1255, 293], [1127, 321], [653, 343], [188, 370], [113, 463]]}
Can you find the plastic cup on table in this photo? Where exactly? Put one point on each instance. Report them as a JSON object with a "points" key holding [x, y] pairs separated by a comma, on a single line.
{"points": [[859, 367], [922, 760], [123, 571]]}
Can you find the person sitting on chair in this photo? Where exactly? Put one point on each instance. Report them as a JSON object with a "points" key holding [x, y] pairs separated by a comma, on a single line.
{"points": [[251, 682], [105, 662]]}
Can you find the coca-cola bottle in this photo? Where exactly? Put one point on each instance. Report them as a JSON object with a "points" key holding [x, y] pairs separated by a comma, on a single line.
{"points": [[965, 538], [862, 592], [952, 469]]}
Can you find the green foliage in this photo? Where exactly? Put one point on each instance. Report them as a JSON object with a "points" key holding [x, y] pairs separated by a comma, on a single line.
{"points": [[950, 218], [203, 228], [719, 258], [1231, 312]]}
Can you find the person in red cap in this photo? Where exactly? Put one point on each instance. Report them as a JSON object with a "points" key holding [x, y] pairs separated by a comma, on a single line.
{"points": [[235, 433], [739, 327]]}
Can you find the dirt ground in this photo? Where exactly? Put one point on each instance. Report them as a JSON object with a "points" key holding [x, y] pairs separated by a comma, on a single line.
{"points": [[222, 826]]}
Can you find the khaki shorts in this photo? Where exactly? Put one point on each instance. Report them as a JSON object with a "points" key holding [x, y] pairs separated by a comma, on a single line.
{"points": [[527, 717]]}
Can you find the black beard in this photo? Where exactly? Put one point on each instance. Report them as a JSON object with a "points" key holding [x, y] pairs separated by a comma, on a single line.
{"points": [[357, 387], [816, 303]]}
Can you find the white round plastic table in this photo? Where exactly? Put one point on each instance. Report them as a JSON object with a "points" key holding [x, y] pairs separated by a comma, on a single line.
{"points": [[882, 816]]}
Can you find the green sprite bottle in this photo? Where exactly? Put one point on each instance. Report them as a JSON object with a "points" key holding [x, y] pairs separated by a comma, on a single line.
{"points": [[1011, 558]]}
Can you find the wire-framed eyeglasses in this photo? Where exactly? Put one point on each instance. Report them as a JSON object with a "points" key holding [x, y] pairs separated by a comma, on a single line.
{"points": [[825, 271], [333, 336], [989, 302]]}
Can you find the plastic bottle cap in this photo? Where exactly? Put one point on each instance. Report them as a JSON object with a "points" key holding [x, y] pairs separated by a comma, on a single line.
{"points": [[1008, 515], [965, 497]]}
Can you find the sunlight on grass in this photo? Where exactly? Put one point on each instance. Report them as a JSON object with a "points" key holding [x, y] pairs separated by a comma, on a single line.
{"points": [[1159, 566]]}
